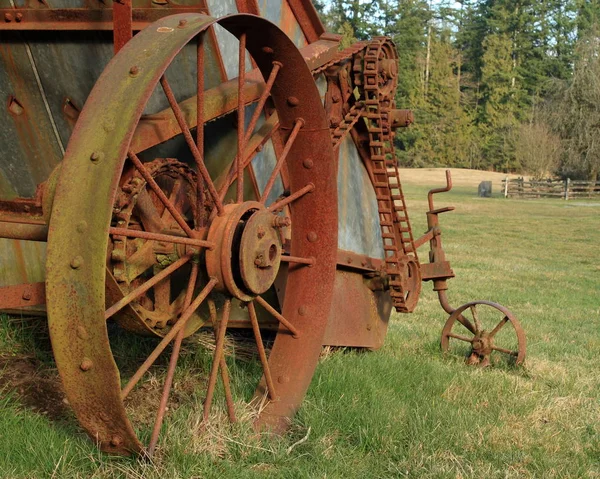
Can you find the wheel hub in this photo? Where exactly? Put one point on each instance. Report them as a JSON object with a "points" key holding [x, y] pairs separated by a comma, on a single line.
{"points": [[248, 249]]}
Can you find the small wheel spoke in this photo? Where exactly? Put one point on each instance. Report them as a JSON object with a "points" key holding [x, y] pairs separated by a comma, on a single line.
{"points": [[136, 293], [505, 351], [160, 193], [466, 323], [217, 355], [475, 318], [296, 259], [277, 316], [180, 324], [288, 146], [161, 237], [261, 351], [293, 197], [461, 338], [190, 142], [499, 326], [172, 365], [223, 366], [241, 134]]}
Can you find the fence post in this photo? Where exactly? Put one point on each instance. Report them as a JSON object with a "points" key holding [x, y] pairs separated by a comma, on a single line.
{"points": [[506, 187], [567, 183]]}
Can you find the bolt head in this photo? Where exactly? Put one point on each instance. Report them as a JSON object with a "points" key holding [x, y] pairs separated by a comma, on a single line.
{"points": [[86, 364], [293, 101], [308, 163], [134, 71], [8, 17], [77, 262], [312, 236]]}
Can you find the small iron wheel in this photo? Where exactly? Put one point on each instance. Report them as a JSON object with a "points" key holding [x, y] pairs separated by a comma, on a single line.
{"points": [[485, 339]]}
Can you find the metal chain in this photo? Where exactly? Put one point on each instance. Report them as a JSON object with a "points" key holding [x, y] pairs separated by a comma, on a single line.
{"points": [[398, 241]]}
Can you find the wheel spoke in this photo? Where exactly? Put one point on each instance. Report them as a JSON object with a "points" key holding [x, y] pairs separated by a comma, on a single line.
{"points": [[200, 199], [262, 100], [261, 351], [172, 365], [180, 324], [506, 351], [175, 198], [466, 323], [288, 146], [160, 193], [161, 237], [461, 338], [136, 293], [296, 259], [499, 326], [277, 316], [162, 294], [293, 197], [257, 140], [190, 142], [241, 134], [224, 370], [212, 380], [475, 318]]}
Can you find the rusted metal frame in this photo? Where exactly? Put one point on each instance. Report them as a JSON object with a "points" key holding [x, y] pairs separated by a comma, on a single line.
{"points": [[23, 207], [172, 364], [281, 160], [22, 295], [217, 355], [223, 363], [160, 237], [424, 239], [261, 351], [123, 23], [179, 325], [219, 101], [307, 18], [23, 231], [160, 193], [361, 262], [260, 300], [185, 130], [136, 293], [248, 6], [84, 19], [241, 112]]}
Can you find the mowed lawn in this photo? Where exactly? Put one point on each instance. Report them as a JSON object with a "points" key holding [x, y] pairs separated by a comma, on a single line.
{"points": [[403, 411]]}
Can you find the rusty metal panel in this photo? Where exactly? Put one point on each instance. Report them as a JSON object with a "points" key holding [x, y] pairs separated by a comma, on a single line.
{"points": [[290, 25], [21, 262], [358, 316], [358, 221], [30, 149]]}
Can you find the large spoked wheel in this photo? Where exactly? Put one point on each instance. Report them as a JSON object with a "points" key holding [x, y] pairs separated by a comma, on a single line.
{"points": [[182, 245], [493, 334]]}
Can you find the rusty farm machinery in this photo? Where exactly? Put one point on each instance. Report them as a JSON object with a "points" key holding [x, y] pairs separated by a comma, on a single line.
{"points": [[228, 166]]}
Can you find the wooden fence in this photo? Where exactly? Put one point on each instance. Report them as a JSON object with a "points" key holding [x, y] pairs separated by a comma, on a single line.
{"points": [[566, 189]]}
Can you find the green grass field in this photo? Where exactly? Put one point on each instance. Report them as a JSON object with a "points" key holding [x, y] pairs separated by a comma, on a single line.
{"points": [[403, 411]]}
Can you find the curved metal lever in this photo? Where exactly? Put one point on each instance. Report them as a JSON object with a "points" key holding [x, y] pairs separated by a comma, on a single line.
{"points": [[448, 187]]}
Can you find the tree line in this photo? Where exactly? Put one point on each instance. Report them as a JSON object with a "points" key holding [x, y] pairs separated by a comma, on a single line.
{"points": [[504, 85]]}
